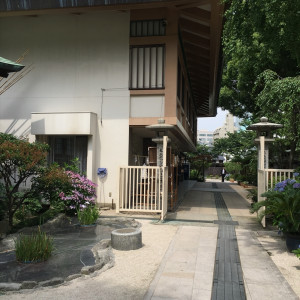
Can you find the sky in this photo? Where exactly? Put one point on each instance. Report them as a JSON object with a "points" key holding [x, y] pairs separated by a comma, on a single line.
{"points": [[213, 123]]}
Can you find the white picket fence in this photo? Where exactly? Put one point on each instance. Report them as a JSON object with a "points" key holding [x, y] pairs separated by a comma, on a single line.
{"points": [[267, 180], [143, 189]]}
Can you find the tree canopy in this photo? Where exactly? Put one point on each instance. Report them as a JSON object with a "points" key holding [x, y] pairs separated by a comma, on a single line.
{"points": [[261, 47], [19, 161]]}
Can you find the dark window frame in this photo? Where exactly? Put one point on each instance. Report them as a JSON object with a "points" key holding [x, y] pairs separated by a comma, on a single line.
{"points": [[147, 86], [144, 28]]}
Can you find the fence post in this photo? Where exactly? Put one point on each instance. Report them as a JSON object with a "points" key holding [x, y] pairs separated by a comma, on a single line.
{"points": [[119, 189], [261, 184], [164, 193]]}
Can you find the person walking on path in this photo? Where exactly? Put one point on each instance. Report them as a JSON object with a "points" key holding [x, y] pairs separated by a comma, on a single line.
{"points": [[223, 174]]}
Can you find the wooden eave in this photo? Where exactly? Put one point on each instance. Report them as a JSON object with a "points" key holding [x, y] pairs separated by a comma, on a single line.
{"points": [[200, 27]]}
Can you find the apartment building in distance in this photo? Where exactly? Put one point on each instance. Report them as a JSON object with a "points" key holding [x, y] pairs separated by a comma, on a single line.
{"points": [[229, 126], [205, 137]]}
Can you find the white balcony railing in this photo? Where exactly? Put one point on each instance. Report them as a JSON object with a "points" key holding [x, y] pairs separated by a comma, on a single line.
{"points": [[143, 189]]}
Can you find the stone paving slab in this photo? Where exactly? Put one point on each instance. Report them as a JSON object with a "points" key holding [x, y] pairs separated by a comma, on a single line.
{"points": [[255, 263], [263, 280], [187, 269]]}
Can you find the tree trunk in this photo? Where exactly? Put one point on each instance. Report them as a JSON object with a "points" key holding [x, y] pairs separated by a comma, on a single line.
{"points": [[292, 155], [10, 219]]}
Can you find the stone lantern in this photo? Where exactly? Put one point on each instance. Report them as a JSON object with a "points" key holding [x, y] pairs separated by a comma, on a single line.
{"points": [[161, 140], [264, 136]]}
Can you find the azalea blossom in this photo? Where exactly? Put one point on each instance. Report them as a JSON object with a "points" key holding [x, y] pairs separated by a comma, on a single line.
{"points": [[82, 194]]}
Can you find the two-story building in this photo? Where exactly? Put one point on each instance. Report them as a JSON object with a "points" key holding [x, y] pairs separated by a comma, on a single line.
{"points": [[98, 73]]}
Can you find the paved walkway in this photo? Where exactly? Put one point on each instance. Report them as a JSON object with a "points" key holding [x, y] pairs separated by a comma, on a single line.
{"points": [[214, 254], [240, 269]]}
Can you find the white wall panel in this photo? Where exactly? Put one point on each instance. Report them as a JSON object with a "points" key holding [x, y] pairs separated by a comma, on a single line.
{"points": [[74, 57], [147, 106]]}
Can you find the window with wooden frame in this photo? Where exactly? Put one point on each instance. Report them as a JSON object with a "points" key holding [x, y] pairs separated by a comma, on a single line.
{"points": [[147, 64], [147, 28]]}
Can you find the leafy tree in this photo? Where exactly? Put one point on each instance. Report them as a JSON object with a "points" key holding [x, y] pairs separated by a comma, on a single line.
{"points": [[239, 147], [233, 168], [258, 35], [236, 146], [261, 42], [19, 161], [279, 100], [199, 160]]}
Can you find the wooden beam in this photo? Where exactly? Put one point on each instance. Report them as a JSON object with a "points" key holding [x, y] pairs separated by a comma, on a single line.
{"points": [[216, 33], [200, 61], [194, 27], [197, 14], [196, 40], [202, 92], [199, 65], [199, 77], [198, 51], [193, 4], [194, 57], [199, 69], [199, 86]]}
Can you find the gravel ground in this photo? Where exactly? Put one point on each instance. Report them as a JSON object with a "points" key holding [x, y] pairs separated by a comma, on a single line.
{"points": [[134, 271], [286, 262], [128, 279]]}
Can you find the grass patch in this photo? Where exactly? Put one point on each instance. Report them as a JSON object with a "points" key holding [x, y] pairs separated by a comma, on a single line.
{"points": [[88, 215], [34, 248]]}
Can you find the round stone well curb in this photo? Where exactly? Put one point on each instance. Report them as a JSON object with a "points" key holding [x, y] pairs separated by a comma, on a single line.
{"points": [[126, 239]]}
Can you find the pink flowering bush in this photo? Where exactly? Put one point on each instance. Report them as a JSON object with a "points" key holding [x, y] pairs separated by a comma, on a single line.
{"points": [[81, 195]]}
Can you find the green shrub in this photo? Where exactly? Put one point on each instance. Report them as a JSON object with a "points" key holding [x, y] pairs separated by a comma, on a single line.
{"points": [[51, 182], [88, 215], [233, 168], [252, 195], [35, 220], [297, 252], [29, 208], [238, 177], [34, 248], [283, 204]]}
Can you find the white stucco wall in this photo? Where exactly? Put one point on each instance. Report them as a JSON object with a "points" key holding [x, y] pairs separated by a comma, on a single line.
{"points": [[74, 57], [147, 106], [71, 123]]}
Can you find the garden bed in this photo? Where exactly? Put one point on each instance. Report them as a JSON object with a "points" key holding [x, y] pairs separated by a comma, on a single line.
{"points": [[76, 251]]}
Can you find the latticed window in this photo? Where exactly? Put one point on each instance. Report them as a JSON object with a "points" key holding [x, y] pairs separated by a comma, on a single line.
{"points": [[147, 28], [147, 65]]}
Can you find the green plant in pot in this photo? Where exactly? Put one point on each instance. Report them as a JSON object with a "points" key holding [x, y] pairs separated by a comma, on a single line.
{"points": [[88, 215], [283, 204]]}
